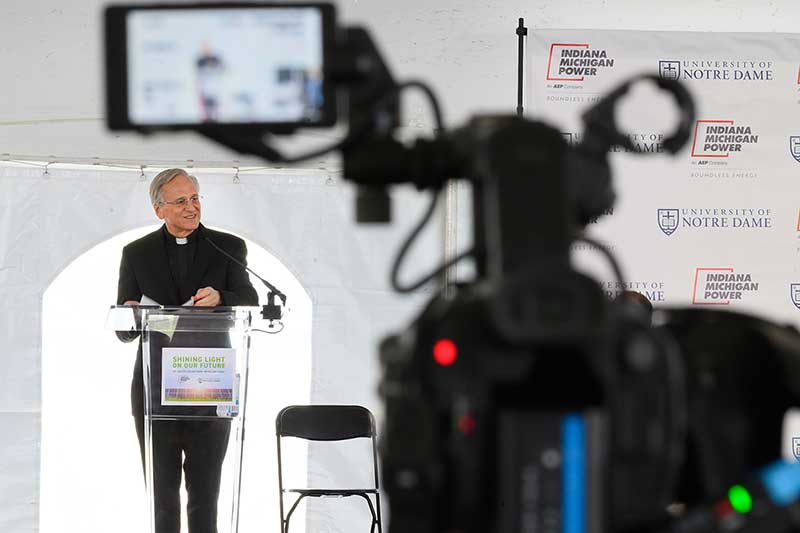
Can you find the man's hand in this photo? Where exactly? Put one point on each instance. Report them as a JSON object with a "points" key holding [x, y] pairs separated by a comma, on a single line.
{"points": [[207, 296], [130, 302]]}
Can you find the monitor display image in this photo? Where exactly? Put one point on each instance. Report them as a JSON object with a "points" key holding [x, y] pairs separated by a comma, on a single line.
{"points": [[225, 66]]}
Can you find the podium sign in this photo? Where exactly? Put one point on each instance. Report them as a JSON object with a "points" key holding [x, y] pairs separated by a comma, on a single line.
{"points": [[198, 376], [194, 364]]}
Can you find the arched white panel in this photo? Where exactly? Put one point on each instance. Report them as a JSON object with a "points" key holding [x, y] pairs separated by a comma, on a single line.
{"points": [[89, 449]]}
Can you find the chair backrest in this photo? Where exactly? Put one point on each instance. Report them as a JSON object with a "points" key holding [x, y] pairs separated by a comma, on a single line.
{"points": [[325, 422], [328, 423]]}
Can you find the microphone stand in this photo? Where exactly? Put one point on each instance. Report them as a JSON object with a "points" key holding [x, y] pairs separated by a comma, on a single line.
{"points": [[522, 32], [270, 311]]}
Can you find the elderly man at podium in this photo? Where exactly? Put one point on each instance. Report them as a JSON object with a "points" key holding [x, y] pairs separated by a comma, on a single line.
{"points": [[173, 266]]}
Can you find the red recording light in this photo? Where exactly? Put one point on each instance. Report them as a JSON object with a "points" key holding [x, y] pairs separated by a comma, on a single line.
{"points": [[467, 424], [445, 352]]}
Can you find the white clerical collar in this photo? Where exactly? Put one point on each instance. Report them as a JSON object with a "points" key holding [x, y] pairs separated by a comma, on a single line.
{"points": [[181, 240]]}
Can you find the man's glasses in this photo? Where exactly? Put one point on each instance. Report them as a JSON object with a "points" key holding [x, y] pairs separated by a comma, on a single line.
{"points": [[183, 201]]}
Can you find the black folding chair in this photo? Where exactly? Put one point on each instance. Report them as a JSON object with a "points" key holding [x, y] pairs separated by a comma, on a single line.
{"points": [[328, 423]]}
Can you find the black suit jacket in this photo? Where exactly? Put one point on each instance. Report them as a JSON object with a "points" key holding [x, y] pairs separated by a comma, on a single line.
{"points": [[145, 269]]}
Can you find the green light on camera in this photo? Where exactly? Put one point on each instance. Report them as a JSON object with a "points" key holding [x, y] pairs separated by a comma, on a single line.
{"points": [[740, 499]]}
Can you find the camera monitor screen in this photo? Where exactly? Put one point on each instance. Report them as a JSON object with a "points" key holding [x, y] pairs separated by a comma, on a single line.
{"points": [[235, 64]]}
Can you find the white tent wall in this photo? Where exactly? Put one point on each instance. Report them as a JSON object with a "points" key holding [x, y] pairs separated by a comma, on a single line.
{"points": [[466, 50], [303, 218], [53, 104]]}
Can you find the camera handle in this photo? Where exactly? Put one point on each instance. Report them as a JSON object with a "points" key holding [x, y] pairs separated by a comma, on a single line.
{"points": [[533, 192]]}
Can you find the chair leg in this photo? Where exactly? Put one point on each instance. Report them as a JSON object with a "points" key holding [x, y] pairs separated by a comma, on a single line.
{"points": [[378, 508], [375, 517], [289, 515], [372, 512]]}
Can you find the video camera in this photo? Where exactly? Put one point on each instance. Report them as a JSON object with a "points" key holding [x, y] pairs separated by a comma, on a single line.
{"points": [[524, 400]]}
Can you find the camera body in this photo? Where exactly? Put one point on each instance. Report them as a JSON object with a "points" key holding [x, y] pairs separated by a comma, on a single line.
{"points": [[530, 404], [472, 438], [628, 428]]}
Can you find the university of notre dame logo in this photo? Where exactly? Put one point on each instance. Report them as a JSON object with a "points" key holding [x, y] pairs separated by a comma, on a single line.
{"points": [[669, 70], [794, 147], [794, 289], [668, 221], [796, 447]]}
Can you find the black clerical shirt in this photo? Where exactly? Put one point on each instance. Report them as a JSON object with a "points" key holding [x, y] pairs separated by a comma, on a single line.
{"points": [[181, 262]]}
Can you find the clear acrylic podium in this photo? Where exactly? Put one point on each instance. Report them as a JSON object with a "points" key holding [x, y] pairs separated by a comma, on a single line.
{"points": [[194, 363]]}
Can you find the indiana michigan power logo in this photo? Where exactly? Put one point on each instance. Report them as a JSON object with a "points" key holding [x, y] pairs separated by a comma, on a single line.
{"points": [[721, 138], [721, 286], [576, 62]]}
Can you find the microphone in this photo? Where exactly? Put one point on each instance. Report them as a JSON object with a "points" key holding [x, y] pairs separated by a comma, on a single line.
{"points": [[271, 311]]}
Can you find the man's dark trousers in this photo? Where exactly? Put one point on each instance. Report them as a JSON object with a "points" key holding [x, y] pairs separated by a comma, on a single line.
{"points": [[204, 444]]}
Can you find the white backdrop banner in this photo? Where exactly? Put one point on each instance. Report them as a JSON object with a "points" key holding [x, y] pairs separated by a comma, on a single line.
{"points": [[718, 224]]}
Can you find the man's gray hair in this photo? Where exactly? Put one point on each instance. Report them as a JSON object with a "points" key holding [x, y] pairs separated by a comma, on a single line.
{"points": [[164, 177]]}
